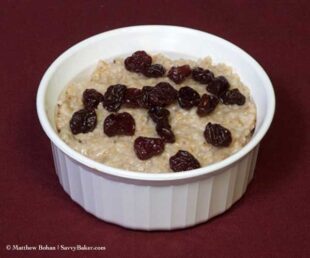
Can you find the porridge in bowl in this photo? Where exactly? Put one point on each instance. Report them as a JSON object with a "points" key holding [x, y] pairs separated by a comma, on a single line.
{"points": [[153, 114]]}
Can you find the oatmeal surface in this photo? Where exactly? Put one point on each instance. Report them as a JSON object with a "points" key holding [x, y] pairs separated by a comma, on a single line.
{"points": [[187, 126]]}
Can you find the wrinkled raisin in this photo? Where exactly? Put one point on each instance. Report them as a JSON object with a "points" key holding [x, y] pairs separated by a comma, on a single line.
{"points": [[232, 97], [91, 98], [145, 99], [114, 96], [207, 104], [179, 73], [146, 147], [154, 71], [83, 121], [132, 98], [183, 161], [201, 75], [119, 124], [138, 62], [218, 86], [158, 114], [217, 135], [188, 97], [164, 131], [162, 94]]}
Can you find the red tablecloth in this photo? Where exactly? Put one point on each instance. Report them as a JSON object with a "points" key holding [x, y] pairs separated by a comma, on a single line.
{"points": [[271, 220]]}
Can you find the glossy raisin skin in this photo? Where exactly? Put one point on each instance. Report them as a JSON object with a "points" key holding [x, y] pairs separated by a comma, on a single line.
{"points": [[114, 97], [91, 98], [159, 114], [163, 129], [201, 75], [138, 62], [132, 98], [146, 148], [217, 135], [207, 104], [179, 73], [162, 94], [154, 71], [83, 121], [183, 161], [188, 97], [232, 97], [119, 124], [218, 86]]}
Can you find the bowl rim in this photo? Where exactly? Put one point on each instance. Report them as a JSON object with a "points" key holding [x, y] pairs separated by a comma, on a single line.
{"points": [[143, 176]]}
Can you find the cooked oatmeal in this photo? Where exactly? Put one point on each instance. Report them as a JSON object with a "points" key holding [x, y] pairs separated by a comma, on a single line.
{"points": [[187, 126]]}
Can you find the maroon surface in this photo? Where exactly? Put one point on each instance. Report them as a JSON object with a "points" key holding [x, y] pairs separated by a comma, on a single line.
{"points": [[273, 217]]}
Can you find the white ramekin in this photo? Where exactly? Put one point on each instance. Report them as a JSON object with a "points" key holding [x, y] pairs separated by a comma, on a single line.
{"points": [[154, 201]]}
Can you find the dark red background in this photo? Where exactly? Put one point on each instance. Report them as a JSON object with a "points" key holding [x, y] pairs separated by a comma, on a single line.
{"points": [[273, 218]]}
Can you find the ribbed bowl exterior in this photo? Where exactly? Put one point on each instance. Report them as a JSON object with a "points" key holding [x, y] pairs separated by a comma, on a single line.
{"points": [[154, 205]]}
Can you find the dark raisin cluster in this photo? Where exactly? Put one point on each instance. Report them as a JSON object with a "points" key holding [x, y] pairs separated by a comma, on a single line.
{"points": [[218, 87], [85, 120], [155, 99], [160, 116], [162, 95], [141, 62]]}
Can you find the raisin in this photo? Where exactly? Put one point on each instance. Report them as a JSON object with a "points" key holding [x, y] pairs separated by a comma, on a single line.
{"points": [[145, 99], [164, 131], [217, 135], [183, 161], [232, 97], [114, 96], [83, 121], [132, 98], [138, 62], [188, 97], [201, 75], [158, 114], [162, 94], [218, 86], [179, 73], [154, 71], [91, 98], [146, 147], [119, 124], [207, 104]]}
